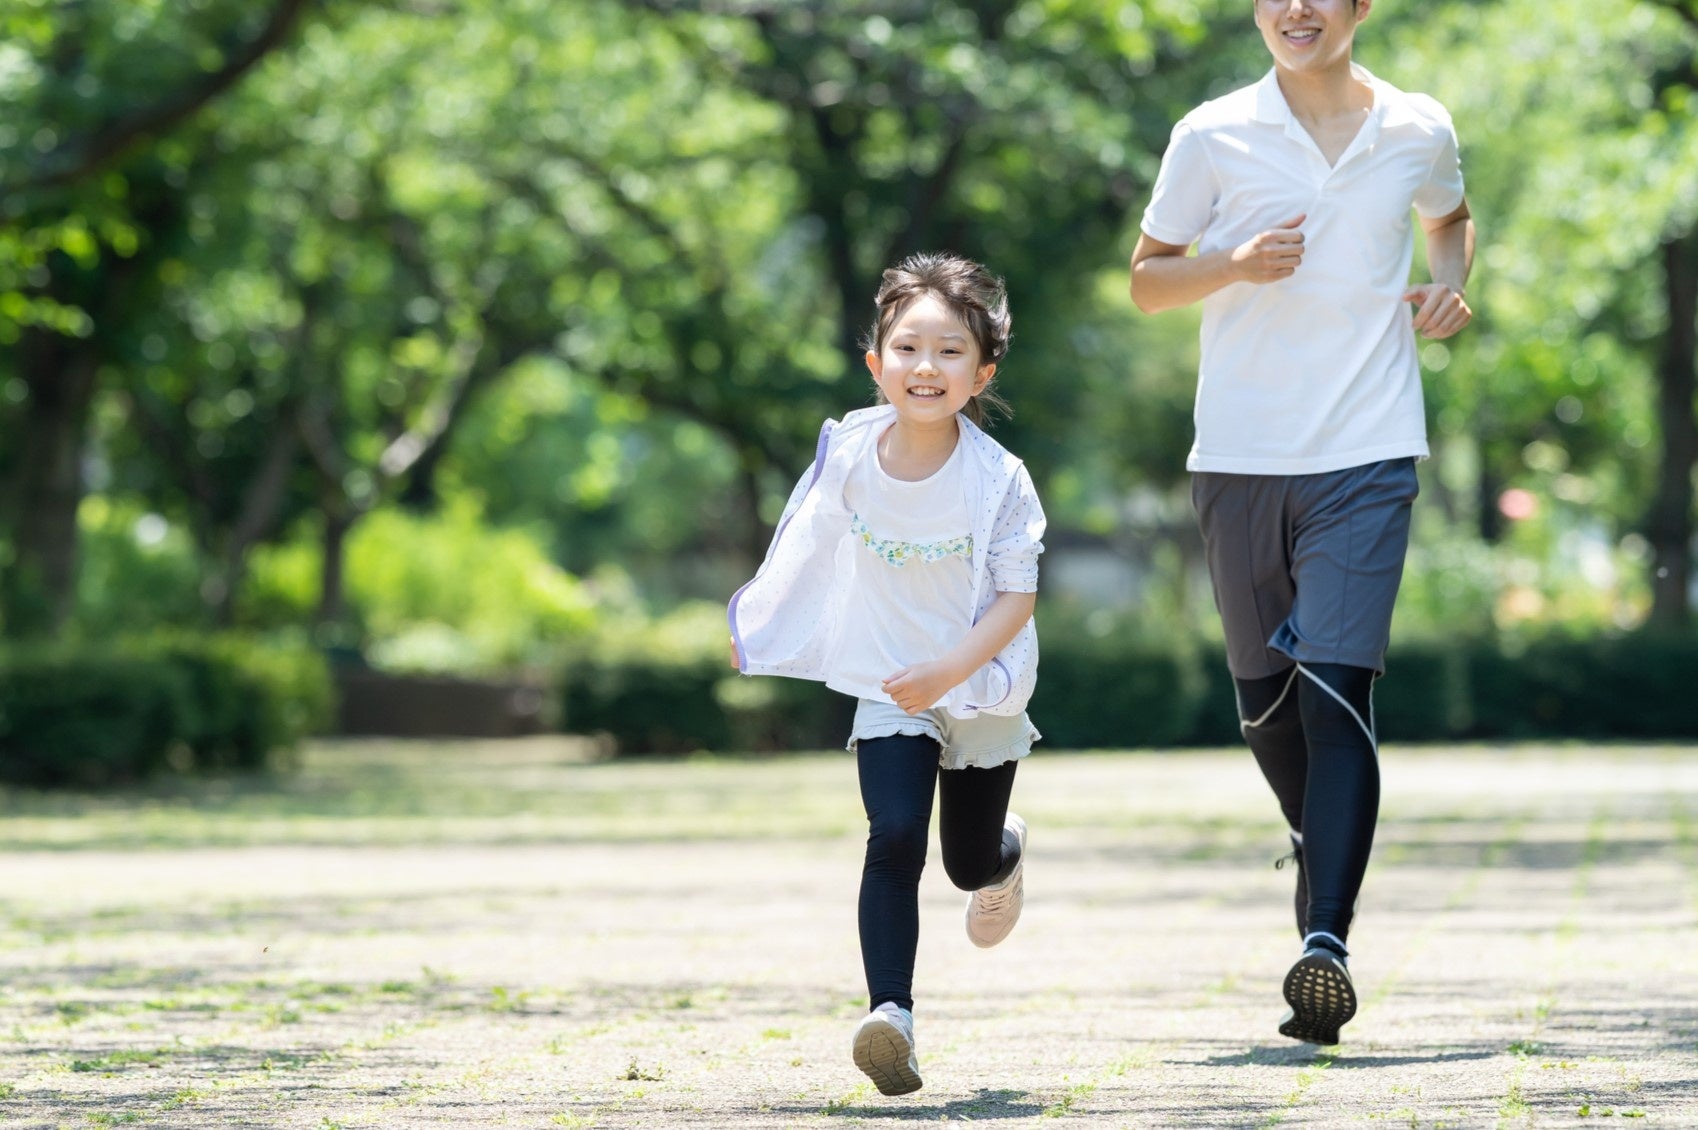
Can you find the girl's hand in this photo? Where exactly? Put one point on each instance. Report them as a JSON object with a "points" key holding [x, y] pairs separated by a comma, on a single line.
{"points": [[735, 661], [919, 687]]}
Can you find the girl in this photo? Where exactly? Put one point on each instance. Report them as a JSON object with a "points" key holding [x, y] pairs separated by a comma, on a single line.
{"points": [[904, 572]]}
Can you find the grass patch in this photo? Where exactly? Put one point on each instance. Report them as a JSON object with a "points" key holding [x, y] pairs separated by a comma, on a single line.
{"points": [[1513, 1107], [1305, 1079], [502, 1000], [392, 792], [1071, 1098], [127, 1057], [636, 1072], [71, 1011]]}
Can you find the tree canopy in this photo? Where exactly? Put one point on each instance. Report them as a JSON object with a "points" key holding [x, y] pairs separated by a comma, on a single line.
{"points": [[601, 266]]}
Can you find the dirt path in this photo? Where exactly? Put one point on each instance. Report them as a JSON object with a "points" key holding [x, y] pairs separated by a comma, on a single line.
{"points": [[617, 956]]}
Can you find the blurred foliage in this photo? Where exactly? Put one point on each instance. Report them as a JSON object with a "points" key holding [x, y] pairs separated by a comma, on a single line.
{"points": [[1121, 691], [137, 707], [1575, 173], [444, 593], [396, 319]]}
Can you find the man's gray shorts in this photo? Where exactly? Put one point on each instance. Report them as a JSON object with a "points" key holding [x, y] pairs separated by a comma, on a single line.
{"points": [[1306, 567]]}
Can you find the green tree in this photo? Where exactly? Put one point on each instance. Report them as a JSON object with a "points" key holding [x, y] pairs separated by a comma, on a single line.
{"points": [[1586, 178], [96, 90]]}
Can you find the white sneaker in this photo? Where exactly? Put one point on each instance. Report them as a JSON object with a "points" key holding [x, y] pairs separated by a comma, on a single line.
{"points": [[992, 911], [884, 1049]]}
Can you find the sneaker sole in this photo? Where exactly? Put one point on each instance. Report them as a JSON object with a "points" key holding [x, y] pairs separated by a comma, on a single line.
{"points": [[882, 1055], [1322, 1000]]}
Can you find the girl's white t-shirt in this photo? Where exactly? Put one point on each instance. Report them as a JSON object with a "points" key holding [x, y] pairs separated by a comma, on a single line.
{"points": [[907, 566]]}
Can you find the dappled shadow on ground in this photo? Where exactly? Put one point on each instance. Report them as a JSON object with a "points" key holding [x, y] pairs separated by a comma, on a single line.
{"points": [[519, 905], [1297, 1055], [986, 1105], [1668, 1090], [173, 1082], [439, 913], [1391, 849]]}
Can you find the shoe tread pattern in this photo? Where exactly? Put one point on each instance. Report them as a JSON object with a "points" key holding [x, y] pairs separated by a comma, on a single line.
{"points": [[886, 1058], [1321, 997]]}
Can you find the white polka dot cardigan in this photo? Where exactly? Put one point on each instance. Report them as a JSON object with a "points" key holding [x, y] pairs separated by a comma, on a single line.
{"points": [[783, 619]]}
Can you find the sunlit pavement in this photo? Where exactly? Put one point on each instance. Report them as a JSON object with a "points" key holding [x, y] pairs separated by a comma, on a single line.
{"points": [[1526, 951]]}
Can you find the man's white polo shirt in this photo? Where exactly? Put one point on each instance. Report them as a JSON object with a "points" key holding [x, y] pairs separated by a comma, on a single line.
{"points": [[1318, 371]]}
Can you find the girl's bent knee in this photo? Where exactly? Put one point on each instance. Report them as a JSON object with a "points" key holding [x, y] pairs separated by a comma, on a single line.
{"points": [[970, 872], [971, 876]]}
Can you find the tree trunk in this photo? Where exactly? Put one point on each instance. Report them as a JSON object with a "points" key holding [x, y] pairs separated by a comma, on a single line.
{"points": [[38, 591], [262, 502], [1488, 486], [332, 601], [1669, 524]]}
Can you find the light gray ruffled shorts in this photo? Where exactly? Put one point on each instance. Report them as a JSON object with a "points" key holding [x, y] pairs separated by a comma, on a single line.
{"points": [[981, 742]]}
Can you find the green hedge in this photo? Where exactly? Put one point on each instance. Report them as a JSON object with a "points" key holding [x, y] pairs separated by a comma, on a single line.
{"points": [[1109, 694], [667, 706], [117, 713], [1639, 686]]}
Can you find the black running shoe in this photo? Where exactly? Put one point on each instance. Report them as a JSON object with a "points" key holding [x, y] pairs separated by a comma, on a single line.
{"points": [[1321, 996]]}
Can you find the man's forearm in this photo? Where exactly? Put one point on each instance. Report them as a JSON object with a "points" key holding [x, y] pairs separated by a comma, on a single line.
{"points": [[1450, 253], [1167, 282]]}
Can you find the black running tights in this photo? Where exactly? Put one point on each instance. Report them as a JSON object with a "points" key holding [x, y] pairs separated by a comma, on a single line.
{"points": [[1312, 731], [898, 775]]}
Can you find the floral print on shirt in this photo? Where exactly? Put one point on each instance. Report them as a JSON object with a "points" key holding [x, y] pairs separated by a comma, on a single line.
{"points": [[899, 553]]}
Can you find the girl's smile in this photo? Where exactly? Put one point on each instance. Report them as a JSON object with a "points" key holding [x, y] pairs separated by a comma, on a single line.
{"points": [[929, 366]]}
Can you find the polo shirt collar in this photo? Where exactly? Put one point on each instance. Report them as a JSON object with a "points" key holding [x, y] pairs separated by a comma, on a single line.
{"points": [[1271, 106], [1272, 109]]}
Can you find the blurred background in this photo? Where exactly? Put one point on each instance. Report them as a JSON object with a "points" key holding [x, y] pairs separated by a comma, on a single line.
{"points": [[440, 366]]}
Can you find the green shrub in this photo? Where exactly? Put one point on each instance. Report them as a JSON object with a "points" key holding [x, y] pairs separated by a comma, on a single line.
{"points": [[774, 715], [88, 715], [1106, 692], [444, 593], [667, 706], [70, 719], [653, 706], [1100, 693], [1634, 686], [1427, 694]]}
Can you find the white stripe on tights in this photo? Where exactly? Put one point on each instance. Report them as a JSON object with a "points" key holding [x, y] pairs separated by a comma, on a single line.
{"points": [[1366, 729], [1246, 724]]}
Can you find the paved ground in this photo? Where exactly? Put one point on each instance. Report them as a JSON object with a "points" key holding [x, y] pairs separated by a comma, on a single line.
{"points": [[502, 936]]}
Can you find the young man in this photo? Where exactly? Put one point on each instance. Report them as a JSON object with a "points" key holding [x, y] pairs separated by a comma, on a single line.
{"points": [[1297, 192]]}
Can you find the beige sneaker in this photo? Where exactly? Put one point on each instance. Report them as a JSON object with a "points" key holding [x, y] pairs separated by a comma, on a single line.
{"points": [[992, 911], [884, 1049]]}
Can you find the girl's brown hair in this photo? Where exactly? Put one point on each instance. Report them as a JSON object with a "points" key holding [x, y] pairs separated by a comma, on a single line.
{"points": [[975, 296]]}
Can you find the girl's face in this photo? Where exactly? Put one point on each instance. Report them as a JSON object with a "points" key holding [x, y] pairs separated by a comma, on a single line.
{"points": [[929, 365]]}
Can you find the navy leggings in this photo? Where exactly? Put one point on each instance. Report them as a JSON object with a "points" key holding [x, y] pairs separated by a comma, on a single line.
{"points": [[898, 775], [1312, 731]]}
